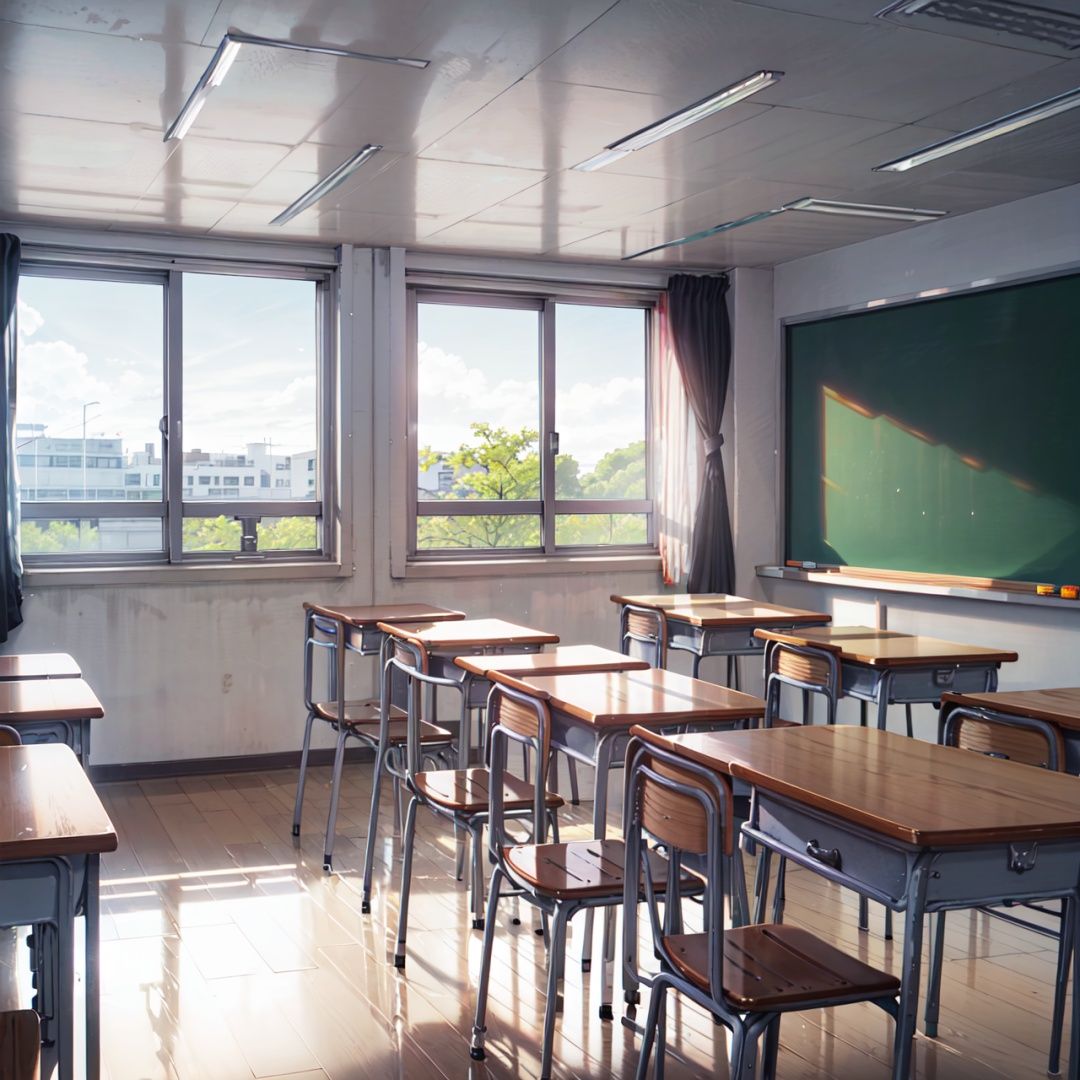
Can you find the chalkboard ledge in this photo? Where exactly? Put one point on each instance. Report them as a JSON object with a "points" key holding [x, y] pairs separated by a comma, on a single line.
{"points": [[928, 584]]}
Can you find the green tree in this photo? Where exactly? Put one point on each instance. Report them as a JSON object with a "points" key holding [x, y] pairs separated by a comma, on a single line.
{"points": [[54, 538], [223, 533]]}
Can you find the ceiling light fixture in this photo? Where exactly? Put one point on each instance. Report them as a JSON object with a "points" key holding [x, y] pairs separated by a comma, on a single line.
{"points": [[327, 184], [806, 204], [226, 53], [1004, 125], [646, 136]]}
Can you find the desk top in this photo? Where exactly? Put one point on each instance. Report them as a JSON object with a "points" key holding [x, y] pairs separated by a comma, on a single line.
{"points": [[48, 699], [562, 660], [718, 609], [469, 633], [653, 696], [48, 805], [1059, 706], [52, 665], [367, 615], [915, 792], [888, 648]]}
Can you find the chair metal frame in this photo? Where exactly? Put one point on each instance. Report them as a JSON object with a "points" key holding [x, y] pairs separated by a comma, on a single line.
{"points": [[713, 794], [464, 822], [949, 736]]}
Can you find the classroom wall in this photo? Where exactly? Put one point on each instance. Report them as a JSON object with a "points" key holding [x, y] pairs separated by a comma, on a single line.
{"points": [[1028, 236]]}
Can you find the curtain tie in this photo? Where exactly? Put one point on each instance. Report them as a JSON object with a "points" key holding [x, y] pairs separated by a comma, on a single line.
{"points": [[712, 446]]}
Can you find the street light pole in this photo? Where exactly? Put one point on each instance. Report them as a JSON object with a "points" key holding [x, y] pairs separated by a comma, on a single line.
{"points": [[84, 408]]}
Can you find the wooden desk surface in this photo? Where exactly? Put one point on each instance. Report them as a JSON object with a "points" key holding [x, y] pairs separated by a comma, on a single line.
{"points": [[888, 648], [469, 633], [1058, 706], [51, 665], [562, 660], [367, 615], [719, 609], [48, 805], [48, 699], [654, 696], [912, 791]]}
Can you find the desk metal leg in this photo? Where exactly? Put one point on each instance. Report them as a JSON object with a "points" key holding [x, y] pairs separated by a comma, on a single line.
{"points": [[1073, 916], [909, 976], [92, 915], [65, 981], [602, 764], [373, 824]]}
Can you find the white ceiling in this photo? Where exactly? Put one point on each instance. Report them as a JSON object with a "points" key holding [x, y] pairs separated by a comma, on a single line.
{"points": [[478, 146]]}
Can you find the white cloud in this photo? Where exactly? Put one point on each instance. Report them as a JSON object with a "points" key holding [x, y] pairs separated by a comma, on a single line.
{"points": [[29, 319]]}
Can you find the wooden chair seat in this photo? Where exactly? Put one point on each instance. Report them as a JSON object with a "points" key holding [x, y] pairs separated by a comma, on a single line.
{"points": [[770, 967], [466, 791], [583, 868], [356, 712], [20, 1045], [778, 721]]}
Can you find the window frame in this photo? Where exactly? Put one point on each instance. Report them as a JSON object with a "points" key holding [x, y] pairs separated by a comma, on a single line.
{"points": [[174, 506], [547, 507]]}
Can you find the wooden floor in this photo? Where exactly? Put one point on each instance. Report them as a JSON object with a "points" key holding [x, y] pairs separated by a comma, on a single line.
{"points": [[228, 953]]}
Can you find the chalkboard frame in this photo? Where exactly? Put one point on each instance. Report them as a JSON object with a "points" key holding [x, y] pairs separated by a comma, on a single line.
{"points": [[906, 579]]}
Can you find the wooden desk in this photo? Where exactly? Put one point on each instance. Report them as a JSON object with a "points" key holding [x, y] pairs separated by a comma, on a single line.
{"points": [[433, 647], [917, 826], [52, 830], [886, 667], [325, 627], [562, 660], [715, 624], [57, 665], [51, 711]]}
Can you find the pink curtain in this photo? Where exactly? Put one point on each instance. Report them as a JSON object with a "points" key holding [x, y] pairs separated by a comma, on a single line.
{"points": [[676, 451]]}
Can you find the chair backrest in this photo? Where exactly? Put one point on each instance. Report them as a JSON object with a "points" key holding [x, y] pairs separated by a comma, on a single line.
{"points": [[648, 627], [411, 659], [9, 736], [804, 667], [1002, 735], [688, 809], [516, 718]]}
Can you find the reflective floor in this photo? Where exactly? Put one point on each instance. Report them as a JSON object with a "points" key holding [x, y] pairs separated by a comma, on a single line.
{"points": [[228, 953]]}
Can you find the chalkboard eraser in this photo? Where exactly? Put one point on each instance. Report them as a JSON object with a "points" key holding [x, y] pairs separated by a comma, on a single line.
{"points": [[1044, 590], [1070, 592], [798, 564]]}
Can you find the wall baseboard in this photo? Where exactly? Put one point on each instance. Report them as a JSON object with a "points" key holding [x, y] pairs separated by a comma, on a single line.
{"points": [[159, 770]]}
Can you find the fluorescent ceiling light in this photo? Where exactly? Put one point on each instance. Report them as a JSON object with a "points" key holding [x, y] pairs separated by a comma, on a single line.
{"points": [[807, 204], [327, 184], [1004, 125], [870, 210], [226, 53], [646, 136]]}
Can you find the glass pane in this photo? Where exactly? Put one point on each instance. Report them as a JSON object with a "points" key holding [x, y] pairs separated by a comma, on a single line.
{"points": [[211, 534], [224, 533], [61, 536], [289, 534], [90, 390], [462, 532], [250, 388], [478, 403], [572, 530], [600, 402]]}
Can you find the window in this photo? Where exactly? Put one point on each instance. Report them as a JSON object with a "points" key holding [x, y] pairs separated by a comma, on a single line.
{"points": [[103, 354], [531, 423]]}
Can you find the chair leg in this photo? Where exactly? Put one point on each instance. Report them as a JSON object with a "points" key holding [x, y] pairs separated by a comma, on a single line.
{"points": [[648, 1035], [406, 882], [607, 977], [300, 780], [761, 884], [373, 824], [743, 1053], [335, 789], [772, 1050], [864, 914], [888, 924], [910, 726], [1061, 986], [476, 833], [780, 896], [575, 796], [661, 1040], [476, 1046], [933, 982], [558, 945], [459, 852]]}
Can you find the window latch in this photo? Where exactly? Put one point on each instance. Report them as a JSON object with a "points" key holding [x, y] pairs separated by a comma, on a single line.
{"points": [[163, 427], [553, 442]]}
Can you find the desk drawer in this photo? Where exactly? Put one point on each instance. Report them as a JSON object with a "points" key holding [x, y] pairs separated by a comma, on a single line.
{"points": [[857, 859]]}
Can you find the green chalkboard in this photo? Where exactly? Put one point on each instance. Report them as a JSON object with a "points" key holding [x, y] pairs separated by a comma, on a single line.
{"points": [[941, 436]]}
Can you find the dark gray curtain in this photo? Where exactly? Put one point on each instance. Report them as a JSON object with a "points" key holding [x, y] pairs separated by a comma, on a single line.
{"points": [[701, 340], [10, 567]]}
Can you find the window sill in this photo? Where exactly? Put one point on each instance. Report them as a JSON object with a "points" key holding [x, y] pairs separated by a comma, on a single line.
{"points": [[555, 565], [187, 574]]}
